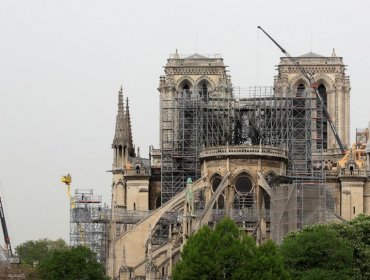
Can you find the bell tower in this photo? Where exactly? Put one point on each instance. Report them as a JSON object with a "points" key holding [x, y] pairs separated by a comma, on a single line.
{"points": [[329, 73]]}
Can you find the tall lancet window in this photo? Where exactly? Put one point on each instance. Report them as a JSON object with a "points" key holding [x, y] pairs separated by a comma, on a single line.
{"points": [[300, 91], [203, 91], [186, 91], [322, 92]]}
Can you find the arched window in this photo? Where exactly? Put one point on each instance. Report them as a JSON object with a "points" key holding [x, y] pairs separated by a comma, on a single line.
{"points": [[244, 197], [300, 90], [324, 125], [220, 203], [215, 182], [186, 91], [203, 91], [243, 184]]}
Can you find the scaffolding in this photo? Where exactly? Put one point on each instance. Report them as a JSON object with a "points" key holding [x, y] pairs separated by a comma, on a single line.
{"points": [[189, 122], [300, 198], [88, 222], [251, 116]]}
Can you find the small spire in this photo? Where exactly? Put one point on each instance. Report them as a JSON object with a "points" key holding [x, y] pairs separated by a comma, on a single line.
{"points": [[127, 106], [333, 54], [176, 56], [138, 152], [120, 101]]}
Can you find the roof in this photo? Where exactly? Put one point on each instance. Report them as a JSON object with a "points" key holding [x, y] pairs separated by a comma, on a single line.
{"points": [[196, 56], [311, 54]]}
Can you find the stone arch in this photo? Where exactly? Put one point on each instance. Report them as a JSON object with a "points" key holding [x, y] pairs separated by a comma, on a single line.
{"points": [[184, 80], [235, 176], [205, 79], [325, 80], [203, 89], [298, 79], [296, 87]]}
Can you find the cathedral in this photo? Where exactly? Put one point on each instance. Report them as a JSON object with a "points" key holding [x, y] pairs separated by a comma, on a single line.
{"points": [[264, 156]]}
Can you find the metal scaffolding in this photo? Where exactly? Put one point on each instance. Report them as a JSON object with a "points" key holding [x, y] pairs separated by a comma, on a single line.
{"points": [[190, 122], [296, 123], [88, 222], [255, 116]]}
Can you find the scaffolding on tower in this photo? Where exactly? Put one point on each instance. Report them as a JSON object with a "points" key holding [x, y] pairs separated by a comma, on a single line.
{"points": [[88, 222]]}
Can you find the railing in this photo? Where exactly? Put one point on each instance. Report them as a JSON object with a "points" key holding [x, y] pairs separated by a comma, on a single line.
{"points": [[244, 150], [204, 56], [240, 215], [137, 172], [354, 172], [331, 173]]}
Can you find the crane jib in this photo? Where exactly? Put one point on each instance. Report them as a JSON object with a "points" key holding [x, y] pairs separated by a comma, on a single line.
{"points": [[312, 83]]}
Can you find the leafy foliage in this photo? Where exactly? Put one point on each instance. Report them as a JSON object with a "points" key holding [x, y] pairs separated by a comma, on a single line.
{"points": [[32, 252], [74, 263], [318, 252], [227, 253]]}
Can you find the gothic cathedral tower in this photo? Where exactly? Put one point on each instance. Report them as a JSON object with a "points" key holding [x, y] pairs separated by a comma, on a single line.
{"points": [[333, 85], [195, 94]]}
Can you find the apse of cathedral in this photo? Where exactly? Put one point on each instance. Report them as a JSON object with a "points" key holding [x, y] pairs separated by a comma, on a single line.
{"points": [[264, 156]]}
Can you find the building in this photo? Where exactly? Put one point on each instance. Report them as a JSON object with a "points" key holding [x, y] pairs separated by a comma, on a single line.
{"points": [[264, 156]]}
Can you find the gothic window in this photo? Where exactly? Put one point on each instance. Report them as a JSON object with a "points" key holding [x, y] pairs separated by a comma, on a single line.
{"points": [[300, 90], [203, 91], [243, 184], [324, 125], [186, 91], [244, 197], [215, 182]]}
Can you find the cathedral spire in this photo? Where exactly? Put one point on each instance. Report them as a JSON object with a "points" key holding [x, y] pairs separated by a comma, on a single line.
{"points": [[129, 130], [122, 141]]}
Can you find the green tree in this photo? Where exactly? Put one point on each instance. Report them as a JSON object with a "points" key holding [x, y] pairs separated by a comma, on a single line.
{"points": [[31, 252], [228, 253], [357, 232], [74, 263], [318, 252]]}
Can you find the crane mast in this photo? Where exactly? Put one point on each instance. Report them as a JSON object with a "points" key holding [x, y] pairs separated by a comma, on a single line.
{"points": [[5, 231], [314, 86]]}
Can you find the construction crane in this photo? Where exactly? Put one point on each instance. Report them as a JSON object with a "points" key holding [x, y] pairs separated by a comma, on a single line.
{"points": [[67, 180], [8, 248], [314, 86]]}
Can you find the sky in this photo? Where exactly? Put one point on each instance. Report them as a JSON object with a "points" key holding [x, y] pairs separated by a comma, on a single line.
{"points": [[63, 62]]}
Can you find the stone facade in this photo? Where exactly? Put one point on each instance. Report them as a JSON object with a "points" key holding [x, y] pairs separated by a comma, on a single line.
{"points": [[246, 182], [333, 83]]}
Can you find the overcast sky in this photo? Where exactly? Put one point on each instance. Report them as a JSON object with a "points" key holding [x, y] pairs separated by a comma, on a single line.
{"points": [[62, 63]]}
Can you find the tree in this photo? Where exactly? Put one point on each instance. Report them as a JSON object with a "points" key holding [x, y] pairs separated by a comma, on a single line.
{"points": [[32, 252], [228, 253], [73, 263], [357, 232], [318, 252]]}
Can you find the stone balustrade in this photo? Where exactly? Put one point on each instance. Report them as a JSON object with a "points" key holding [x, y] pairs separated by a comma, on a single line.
{"points": [[244, 150]]}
